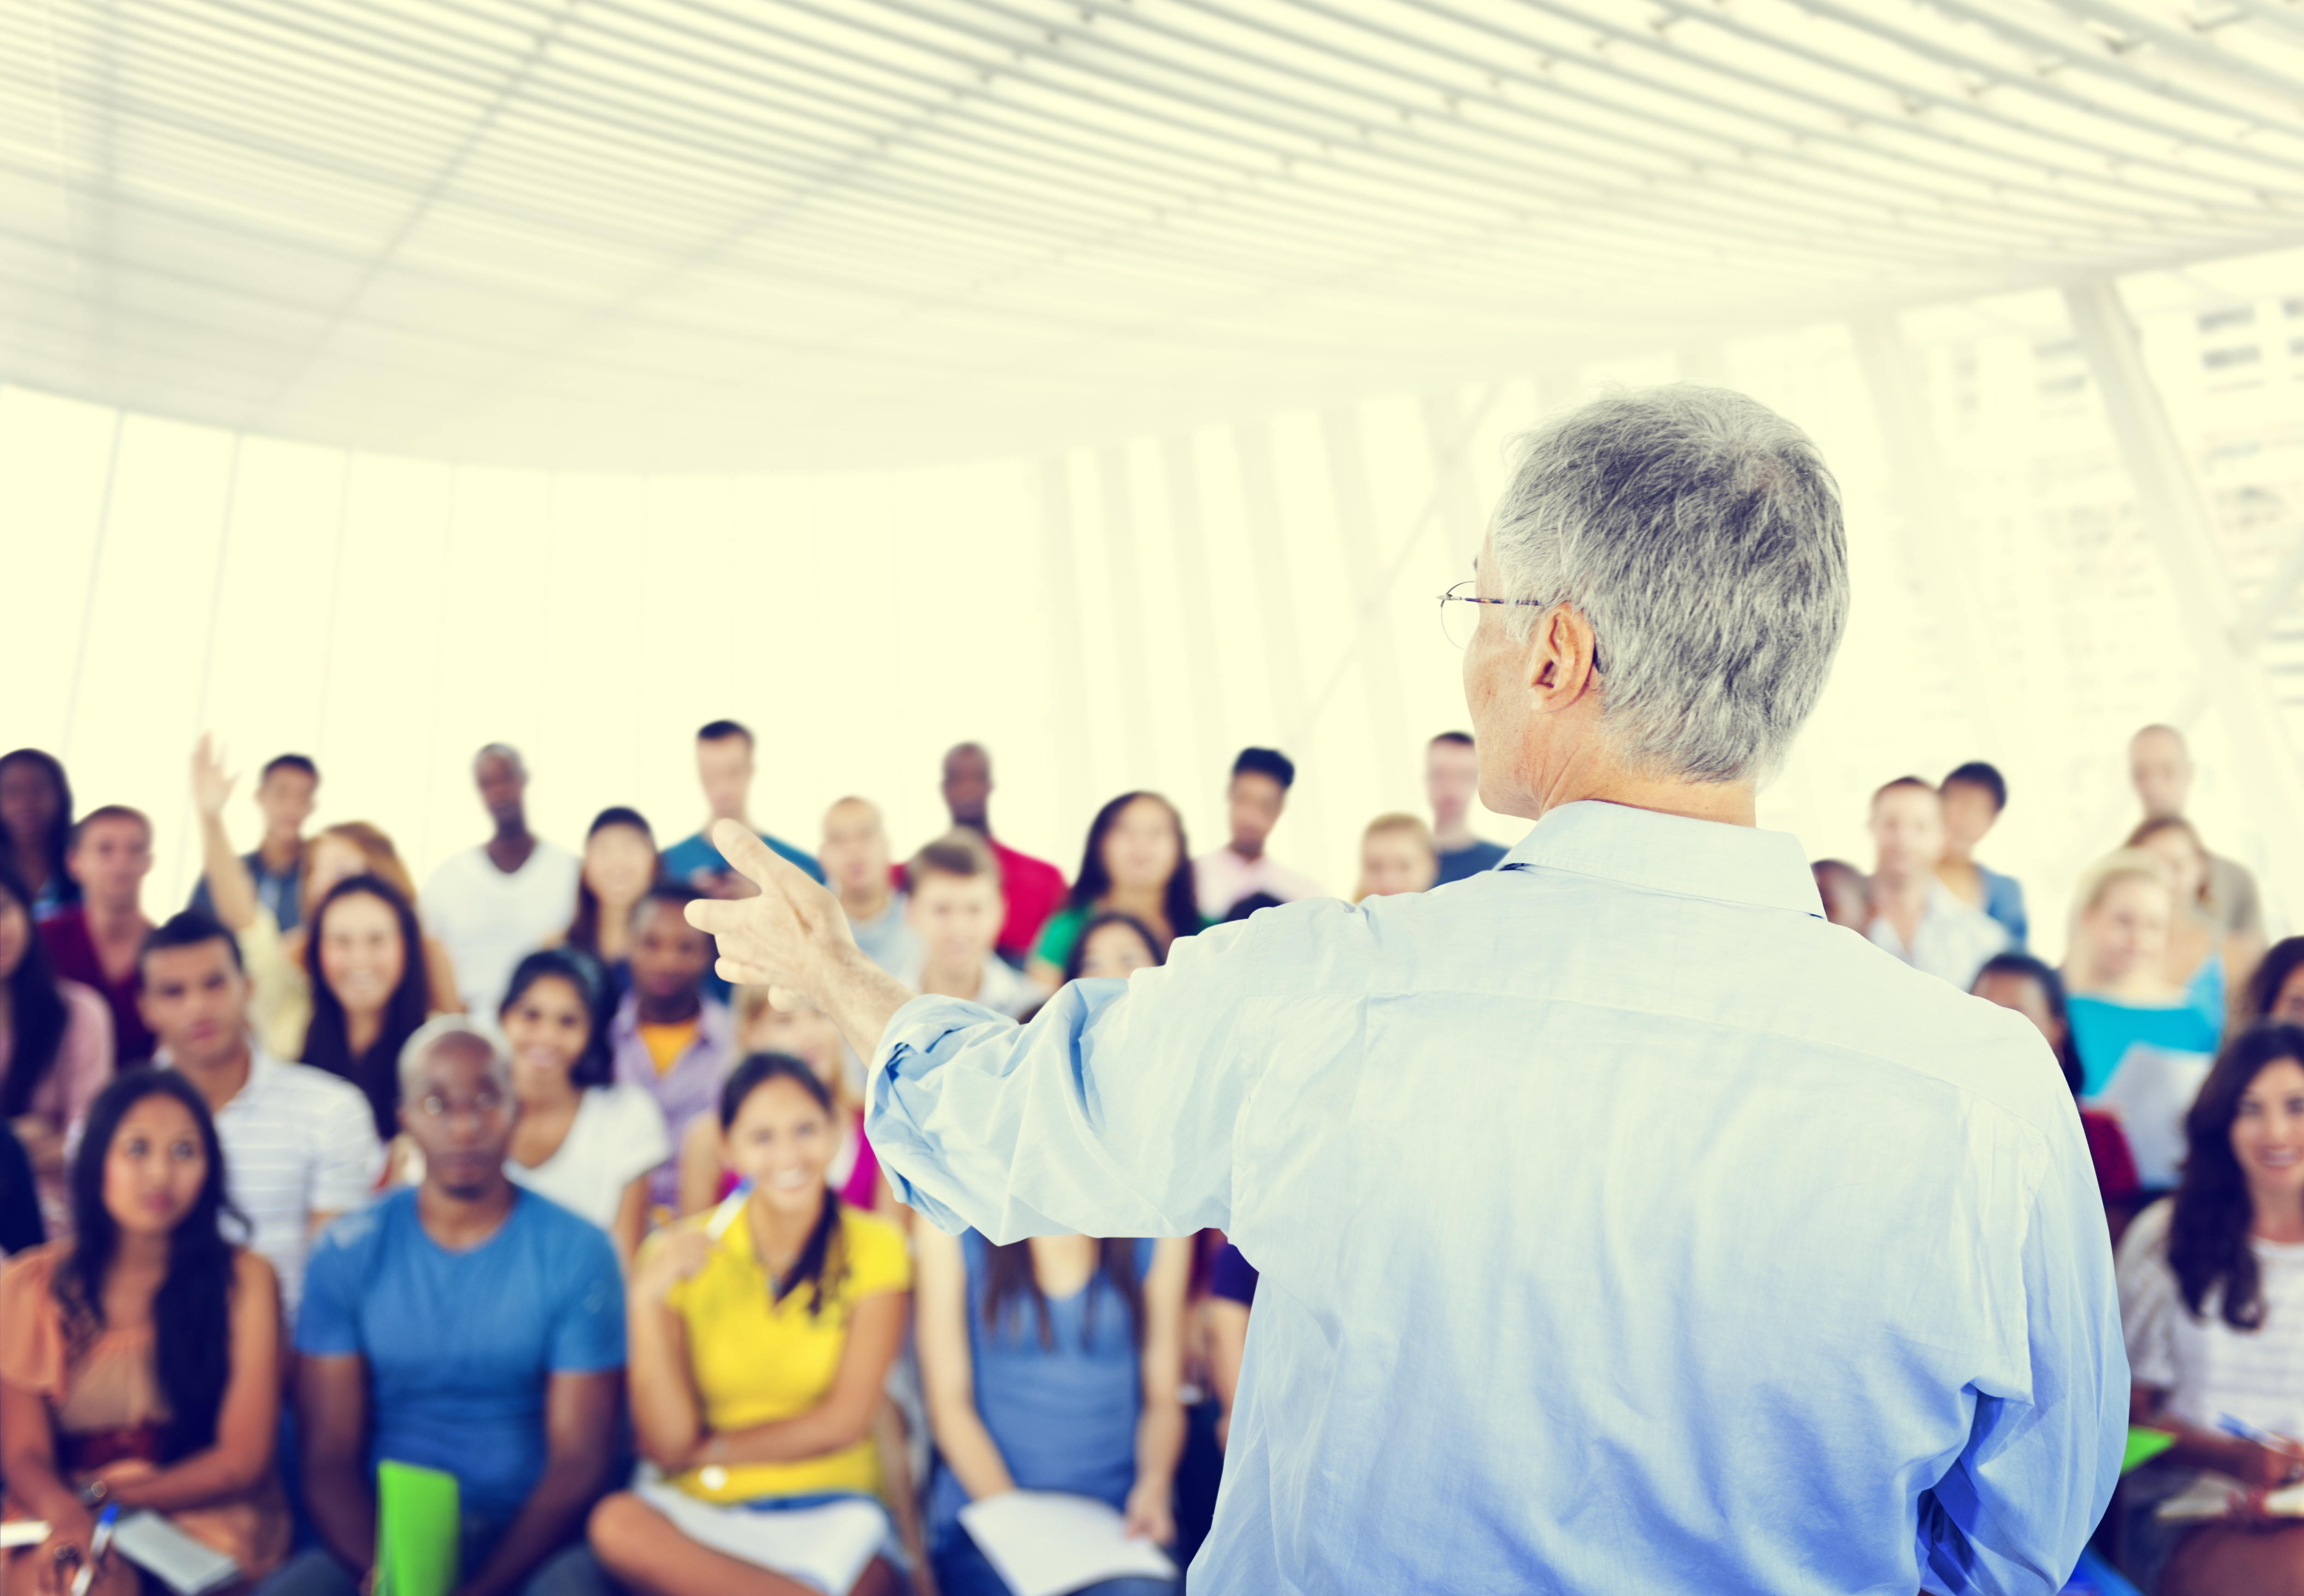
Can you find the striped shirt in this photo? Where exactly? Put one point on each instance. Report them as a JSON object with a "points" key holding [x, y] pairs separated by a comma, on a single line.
{"points": [[2207, 1368]]}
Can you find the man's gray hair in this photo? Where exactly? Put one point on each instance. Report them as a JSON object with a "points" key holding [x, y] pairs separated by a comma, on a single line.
{"points": [[437, 1030], [1700, 534]]}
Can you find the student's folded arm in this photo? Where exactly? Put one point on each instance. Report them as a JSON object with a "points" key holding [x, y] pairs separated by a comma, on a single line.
{"points": [[1111, 1114], [581, 1410], [248, 1424], [948, 1367], [876, 1333]]}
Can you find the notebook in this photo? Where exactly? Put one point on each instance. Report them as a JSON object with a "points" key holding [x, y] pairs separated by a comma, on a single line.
{"points": [[419, 1525], [1048, 1543], [2211, 1496], [825, 1548], [183, 1565]]}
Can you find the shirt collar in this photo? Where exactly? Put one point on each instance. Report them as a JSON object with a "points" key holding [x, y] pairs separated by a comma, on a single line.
{"points": [[1672, 853]]}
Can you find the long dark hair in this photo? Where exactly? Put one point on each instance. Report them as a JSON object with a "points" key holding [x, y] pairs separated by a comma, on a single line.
{"points": [[816, 1264], [584, 930], [327, 1041], [1179, 901], [1078, 956], [191, 1312], [2280, 961], [593, 1066], [2042, 974], [36, 1012], [2209, 1227], [1010, 1278], [58, 842]]}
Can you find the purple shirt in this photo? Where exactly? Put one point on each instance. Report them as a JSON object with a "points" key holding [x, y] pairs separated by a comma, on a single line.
{"points": [[691, 1087]]}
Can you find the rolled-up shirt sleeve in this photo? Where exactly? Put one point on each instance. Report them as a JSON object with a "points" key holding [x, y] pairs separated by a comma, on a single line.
{"points": [[2016, 1508], [1112, 1113]]}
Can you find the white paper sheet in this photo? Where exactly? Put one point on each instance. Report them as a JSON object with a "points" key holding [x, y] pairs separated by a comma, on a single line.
{"points": [[824, 1547], [2151, 1089], [22, 1532], [1045, 1543], [178, 1561]]}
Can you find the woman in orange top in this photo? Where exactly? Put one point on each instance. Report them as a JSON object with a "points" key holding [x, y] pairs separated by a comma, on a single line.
{"points": [[139, 1362]]}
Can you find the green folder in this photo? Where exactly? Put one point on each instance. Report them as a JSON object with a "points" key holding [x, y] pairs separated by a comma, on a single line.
{"points": [[418, 1530], [2144, 1445]]}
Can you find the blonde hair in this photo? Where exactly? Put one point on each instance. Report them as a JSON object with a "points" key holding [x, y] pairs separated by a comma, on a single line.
{"points": [[2125, 864], [1410, 826], [374, 846]]}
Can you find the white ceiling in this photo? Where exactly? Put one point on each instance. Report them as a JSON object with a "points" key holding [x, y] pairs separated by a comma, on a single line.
{"points": [[762, 235]]}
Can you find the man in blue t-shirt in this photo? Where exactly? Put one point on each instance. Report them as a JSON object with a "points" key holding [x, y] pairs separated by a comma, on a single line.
{"points": [[466, 1326]]}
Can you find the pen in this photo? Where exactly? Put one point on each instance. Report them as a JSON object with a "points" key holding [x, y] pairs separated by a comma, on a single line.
{"points": [[730, 1206], [97, 1545], [2244, 1430]]}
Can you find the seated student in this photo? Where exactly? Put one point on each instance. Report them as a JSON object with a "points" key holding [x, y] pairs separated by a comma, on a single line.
{"points": [[284, 793], [805, 1032], [725, 768], [1259, 793], [1137, 862], [95, 941], [668, 1037], [2020, 982], [299, 1145], [856, 862], [1120, 945], [1051, 1365], [36, 811], [1846, 893], [2209, 964], [2212, 1308], [141, 1361], [2276, 990], [1973, 797], [760, 1352], [1396, 856], [955, 913], [619, 865], [1914, 915], [583, 1139], [56, 1049], [2120, 995], [369, 990], [464, 1325]]}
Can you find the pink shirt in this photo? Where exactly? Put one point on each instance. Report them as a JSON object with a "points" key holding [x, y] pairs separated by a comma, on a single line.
{"points": [[82, 1069], [1222, 878]]}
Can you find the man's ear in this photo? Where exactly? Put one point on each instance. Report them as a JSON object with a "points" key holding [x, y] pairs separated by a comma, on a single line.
{"points": [[1560, 653]]}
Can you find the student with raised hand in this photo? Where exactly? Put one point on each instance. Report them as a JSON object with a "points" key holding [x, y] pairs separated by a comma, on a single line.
{"points": [[584, 1139], [1396, 856], [284, 794], [55, 1050], [2212, 1307], [36, 810], [669, 1037], [141, 1361], [1051, 1365], [369, 990], [1137, 862], [301, 1145], [955, 911], [464, 1325], [803, 1032], [619, 865], [95, 940], [760, 1352]]}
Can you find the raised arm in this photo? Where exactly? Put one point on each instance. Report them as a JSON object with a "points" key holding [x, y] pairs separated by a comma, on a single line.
{"points": [[231, 888]]}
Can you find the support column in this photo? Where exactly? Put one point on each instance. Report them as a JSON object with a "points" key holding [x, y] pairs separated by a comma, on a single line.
{"points": [[2182, 530]]}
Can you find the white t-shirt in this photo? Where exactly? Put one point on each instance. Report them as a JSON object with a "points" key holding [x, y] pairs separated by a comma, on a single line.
{"points": [[297, 1141], [617, 1137], [2207, 1368], [489, 921]]}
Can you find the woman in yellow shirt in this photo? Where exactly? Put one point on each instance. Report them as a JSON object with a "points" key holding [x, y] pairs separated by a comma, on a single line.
{"points": [[761, 1337]]}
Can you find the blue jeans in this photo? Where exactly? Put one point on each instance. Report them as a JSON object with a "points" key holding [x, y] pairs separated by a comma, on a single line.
{"points": [[961, 1570], [572, 1571]]}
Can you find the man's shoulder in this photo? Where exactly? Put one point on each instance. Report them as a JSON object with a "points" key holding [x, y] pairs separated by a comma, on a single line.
{"points": [[353, 1240], [1014, 862], [457, 869], [572, 1245]]}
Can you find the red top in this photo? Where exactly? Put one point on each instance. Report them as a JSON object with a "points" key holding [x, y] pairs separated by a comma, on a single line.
{"points": [[2115, 1165], [1034, 890], [72, 952]]}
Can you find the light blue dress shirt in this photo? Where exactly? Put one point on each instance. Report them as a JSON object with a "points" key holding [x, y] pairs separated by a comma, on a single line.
{"points": [[1623, 1225]]}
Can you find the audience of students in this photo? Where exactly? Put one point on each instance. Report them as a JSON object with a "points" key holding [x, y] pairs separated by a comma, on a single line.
{"points": [[140, 1361], [1033, 889], [285, 792], [2160, 766], [1914, 915], [2115, 969], [1451, 781], [369, 990], [1118, 945], [583, 1138], [955, 911], [36, 814], [724, 766], [1845, 893], [95, 940], [761, 1341], [494, 904], [856, 865], [55, 1050], [619, 865], [2212, 1306], [301, 1145], [1051, 1365], [464, 1325], [1254, 801], [1396, 856], [669, 1038], [1973, 797], [1136, 862]]}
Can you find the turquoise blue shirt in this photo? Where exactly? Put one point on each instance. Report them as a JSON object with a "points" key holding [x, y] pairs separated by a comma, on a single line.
{"points": [[1623, 1226]]}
